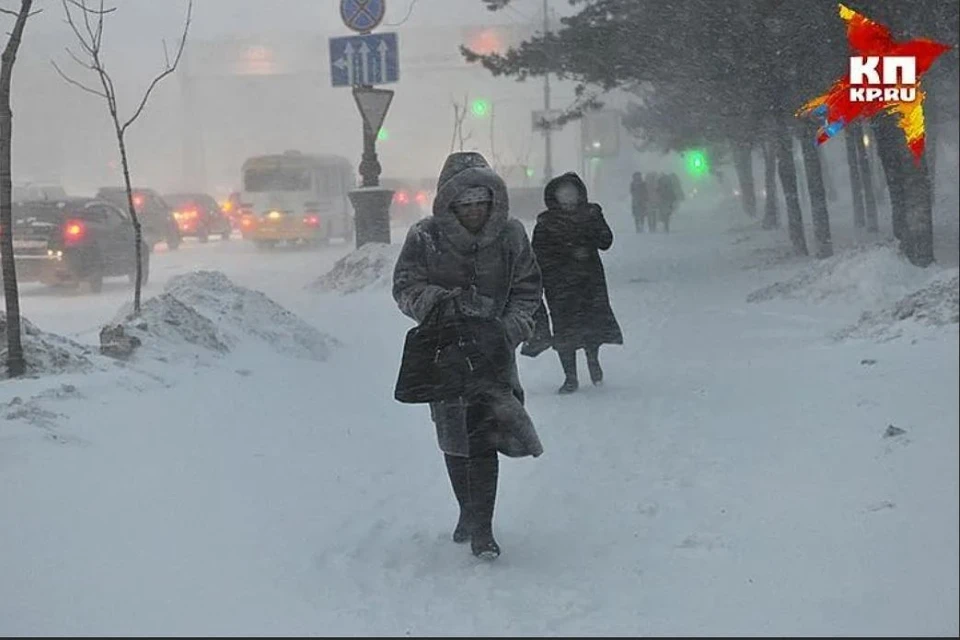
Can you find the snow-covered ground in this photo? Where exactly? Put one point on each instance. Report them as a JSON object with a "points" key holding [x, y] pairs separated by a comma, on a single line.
{"points": [[737, 475]]}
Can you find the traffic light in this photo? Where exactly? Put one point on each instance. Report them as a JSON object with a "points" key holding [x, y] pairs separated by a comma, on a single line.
{"points": [[480, 108], [697, 163], [383, 135]]}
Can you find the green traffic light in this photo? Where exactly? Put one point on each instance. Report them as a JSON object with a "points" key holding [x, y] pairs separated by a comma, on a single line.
{"points": [[480, 108], [697, 163], [383, 135], [530, 172]]}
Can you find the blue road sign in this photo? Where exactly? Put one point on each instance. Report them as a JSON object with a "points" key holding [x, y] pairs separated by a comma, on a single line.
{"points": [[364, 60], [362, 15]]}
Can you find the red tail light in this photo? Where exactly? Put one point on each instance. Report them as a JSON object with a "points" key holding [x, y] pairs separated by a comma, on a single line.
{"points": [[311, 220], [138, 200], [248, 221], [74, 231], [421, 197], [401, 197]]}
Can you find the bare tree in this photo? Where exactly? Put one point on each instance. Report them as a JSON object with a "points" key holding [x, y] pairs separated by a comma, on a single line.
{"points": [[16, 365], [459, 116], [87, 26]]}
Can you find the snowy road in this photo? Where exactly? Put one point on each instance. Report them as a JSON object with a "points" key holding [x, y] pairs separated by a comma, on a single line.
{"points": [[731, 478]]}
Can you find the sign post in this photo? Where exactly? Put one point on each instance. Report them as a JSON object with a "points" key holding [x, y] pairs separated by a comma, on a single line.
{"points": [[360, 62]]}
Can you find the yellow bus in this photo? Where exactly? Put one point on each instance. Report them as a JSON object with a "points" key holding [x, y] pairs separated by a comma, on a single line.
{"points": [[295, 197]]}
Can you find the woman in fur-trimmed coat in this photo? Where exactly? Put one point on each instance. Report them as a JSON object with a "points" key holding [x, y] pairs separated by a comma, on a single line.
{"points": [[470, 251]]}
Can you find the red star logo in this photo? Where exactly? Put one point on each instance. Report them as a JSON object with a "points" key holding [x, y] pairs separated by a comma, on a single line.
{"points": [[869, 38]]}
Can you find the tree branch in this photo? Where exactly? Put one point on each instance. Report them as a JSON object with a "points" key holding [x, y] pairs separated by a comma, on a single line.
{"points": [[170, 68], [77, 83], [76, 58], [16, 14]]}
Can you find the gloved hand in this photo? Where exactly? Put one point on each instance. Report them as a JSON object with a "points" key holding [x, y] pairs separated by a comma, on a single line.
{"points": [[471, 303], [450, 294]]}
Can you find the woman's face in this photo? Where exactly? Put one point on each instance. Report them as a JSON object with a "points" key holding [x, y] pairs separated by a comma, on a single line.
{"points": [[474, 215], [568, 195]]}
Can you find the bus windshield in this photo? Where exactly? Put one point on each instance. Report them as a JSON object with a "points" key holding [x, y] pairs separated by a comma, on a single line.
{"points": [[276, 179]]}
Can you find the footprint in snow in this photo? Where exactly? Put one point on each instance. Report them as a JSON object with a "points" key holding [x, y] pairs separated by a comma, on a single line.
{"points": [[702, 542]]}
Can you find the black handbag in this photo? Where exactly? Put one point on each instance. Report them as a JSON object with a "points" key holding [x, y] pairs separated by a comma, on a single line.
{"points": [[542, 338], [443, 357]]}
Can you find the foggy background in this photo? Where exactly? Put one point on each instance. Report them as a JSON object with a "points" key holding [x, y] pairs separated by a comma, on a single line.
{"points": [[255, 79]]}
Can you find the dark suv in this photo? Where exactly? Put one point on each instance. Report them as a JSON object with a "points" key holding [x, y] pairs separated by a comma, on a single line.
{"points": [[156, 217], [199, 215], [62, 242]]}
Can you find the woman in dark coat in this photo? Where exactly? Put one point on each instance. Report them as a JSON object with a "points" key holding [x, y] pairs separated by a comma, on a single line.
{"points": [[567, 240], [472, 253]]}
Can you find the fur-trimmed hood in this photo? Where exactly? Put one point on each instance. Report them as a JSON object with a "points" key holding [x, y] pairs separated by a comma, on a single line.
{"points": [[550, 191], [461, 171]]}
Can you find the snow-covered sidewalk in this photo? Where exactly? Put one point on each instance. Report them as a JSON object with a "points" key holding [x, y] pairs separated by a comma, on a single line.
{"points": [[735, 476]]}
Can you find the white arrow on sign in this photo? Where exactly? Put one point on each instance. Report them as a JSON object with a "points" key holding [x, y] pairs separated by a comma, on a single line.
{"points": [[373, 105], [383, 58], [365, 63], [346, 62]]}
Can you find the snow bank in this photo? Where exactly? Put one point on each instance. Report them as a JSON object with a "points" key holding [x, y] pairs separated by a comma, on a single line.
{"points": [[871, 275], [165, 320], [369, 267], [245, 312], [206, 309], [45, 353], [935, 305]]}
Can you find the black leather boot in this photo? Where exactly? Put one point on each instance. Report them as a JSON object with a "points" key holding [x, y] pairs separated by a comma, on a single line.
{"points": [[483, 472], [457, 470], [593, 364], [568, 360]]}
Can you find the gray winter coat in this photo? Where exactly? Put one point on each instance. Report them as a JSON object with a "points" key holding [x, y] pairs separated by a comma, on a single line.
{"points": [[439, 255]]}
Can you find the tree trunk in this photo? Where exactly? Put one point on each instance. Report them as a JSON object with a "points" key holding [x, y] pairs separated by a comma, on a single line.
{"points": [[866, 176], [879, 184], [743, 162], [856, 185], [803, 188], [771, 213], [912, 196], [890, 151], [137, 230], [818, 196], [919, 212], [787, 171], [932, 133], [16, 365], [828, 182]]}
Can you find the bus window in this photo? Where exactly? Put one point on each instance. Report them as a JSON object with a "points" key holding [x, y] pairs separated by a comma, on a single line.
{"points": [[276, 179], [327, 183]]}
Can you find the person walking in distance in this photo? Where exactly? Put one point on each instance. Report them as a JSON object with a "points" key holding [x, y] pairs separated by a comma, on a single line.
{"points": [[567, 241], [638, 200]]}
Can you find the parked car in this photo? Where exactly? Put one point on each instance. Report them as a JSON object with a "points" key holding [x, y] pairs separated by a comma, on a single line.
{"points": [[232, 209], [34, 191], [198, 215], [156, 217], [409, 204], [64, 242]]}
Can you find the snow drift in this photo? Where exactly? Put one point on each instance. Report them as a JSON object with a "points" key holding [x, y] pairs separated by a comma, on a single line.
{"points": [[45, 353], [935, 305], [369, 267], [206, 309], [165, 320], [872, 275]]}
